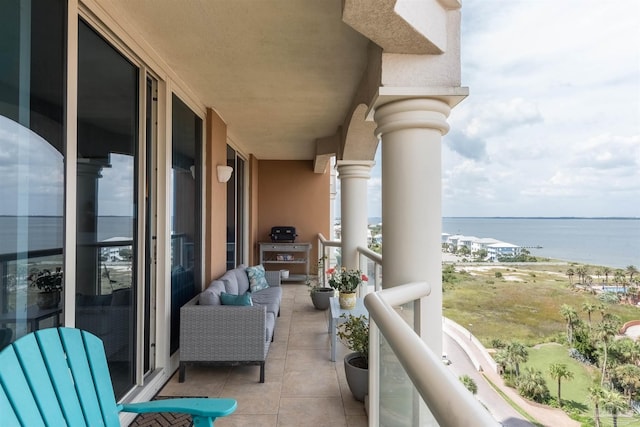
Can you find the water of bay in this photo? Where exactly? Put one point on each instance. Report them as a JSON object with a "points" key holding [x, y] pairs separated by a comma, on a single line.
{"points": [[611, 242]]}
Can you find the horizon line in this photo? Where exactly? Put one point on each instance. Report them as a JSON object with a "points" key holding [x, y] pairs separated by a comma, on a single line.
{"points": [[534, 217]]}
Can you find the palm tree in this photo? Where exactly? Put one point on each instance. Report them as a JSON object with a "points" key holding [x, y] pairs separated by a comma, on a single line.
{"points": [[502, 359], [560, 371], [596, 395], [604, 332], [631, 270], [628, 376], [516, 354], [633, 293], [582, 272], [619, 279], [469, 384], [570, 315], [626, 349], [606, 271], [614, 403], [570, 273], [589, 308], [602, 309], [599, 274]]}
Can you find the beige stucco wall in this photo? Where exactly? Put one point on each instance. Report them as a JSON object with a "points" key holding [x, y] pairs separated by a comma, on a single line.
{"points": [[215, 221], [290, 193]]}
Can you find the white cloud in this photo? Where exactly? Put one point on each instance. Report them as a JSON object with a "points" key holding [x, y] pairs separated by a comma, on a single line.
{"points": [[31, 171], [115, 191], [552, 123]]}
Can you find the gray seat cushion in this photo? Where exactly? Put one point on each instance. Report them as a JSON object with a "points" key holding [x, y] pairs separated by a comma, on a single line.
{"points": [[270, 297], [270, 325]]}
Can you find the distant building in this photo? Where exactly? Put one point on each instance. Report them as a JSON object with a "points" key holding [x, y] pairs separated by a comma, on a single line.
{"points": [[502, 250], [495, 248]]}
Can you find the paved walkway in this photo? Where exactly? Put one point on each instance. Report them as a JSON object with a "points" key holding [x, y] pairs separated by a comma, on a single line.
{"points": [[480, 358]]}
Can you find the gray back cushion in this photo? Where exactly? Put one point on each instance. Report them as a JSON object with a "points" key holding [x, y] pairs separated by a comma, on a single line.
{"points": [[211, 295], [243, 279], [230, 282]]}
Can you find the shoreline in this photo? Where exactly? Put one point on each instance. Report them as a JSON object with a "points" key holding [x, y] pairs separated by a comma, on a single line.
{"points": [[449, 258]]}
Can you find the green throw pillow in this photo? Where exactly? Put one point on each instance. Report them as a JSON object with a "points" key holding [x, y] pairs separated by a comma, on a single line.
{"points": [[257, 280], [230, 299]]}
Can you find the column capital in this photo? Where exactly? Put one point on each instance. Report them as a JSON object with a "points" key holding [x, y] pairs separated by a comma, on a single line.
{"points": [[412, 113], [354, 168], [91, 167]]}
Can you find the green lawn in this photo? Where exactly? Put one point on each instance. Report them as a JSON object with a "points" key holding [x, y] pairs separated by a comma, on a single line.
{"points": [[573, 392], [524, 305]]}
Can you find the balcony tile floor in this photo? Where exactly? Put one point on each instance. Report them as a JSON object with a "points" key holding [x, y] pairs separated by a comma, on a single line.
{"points": [[302, 386]]}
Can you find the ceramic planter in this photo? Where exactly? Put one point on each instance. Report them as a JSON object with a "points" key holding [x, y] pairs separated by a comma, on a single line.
{"points": [[320, 297], [347, 300], [357, 377], [48, 299]]}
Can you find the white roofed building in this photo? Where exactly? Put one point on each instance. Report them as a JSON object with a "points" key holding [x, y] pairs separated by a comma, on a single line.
{"points": [[501, 250]]}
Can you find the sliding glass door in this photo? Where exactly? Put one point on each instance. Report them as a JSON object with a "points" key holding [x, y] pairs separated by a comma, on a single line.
{"points": [[32, 155], [107, 183], [235, 210], [186, 220]]}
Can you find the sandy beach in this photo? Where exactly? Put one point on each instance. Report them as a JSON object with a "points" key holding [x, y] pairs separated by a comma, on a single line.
{"points": [[449, 257]]}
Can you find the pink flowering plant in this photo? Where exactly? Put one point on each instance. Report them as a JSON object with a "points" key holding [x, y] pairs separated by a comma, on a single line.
{"points": [[345, 280]]}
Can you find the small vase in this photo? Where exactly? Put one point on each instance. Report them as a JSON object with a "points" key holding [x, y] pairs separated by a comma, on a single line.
{"points": [[347, 300]]}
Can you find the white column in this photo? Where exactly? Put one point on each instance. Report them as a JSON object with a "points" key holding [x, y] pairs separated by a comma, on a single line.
{"points": [[331, 260], [353, 176], [411, 132]]}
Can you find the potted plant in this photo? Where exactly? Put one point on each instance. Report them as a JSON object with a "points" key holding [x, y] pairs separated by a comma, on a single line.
{"points": [[346, 282], [50, 286], [354, 332], [320, 295]]}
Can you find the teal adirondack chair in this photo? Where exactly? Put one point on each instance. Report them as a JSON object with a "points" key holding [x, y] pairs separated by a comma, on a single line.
{"points": [[59, 377]]}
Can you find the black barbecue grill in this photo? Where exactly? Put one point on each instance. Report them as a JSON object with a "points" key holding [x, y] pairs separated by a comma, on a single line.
{"points": [[283, 234]]}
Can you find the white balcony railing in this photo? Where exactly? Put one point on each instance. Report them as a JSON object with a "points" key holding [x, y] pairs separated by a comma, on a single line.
{"points": [[418, 389]]}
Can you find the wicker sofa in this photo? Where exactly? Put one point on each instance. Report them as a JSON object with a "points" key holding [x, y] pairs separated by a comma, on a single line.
{"points": [[217, 334]]}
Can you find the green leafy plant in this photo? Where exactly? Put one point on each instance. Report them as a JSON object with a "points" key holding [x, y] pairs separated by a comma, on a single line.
{"points": [[313, 286], [345, 280], [354, 332], [47, 281]]}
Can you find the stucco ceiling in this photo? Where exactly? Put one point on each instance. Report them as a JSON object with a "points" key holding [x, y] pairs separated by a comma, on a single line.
{"points": [[281, 73]]}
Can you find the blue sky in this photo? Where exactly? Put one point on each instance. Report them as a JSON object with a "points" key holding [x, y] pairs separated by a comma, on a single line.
{"points": [[552, 123]]}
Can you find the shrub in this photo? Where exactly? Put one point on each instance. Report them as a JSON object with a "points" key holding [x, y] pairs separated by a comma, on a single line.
{"points": [[510, 380], [532, 385], [609, 297], [575, 354], [496, 343], [354, 332], [498, 275]]}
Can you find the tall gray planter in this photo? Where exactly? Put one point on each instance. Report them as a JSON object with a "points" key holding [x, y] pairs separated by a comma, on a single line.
{"points": [[357, 378]]}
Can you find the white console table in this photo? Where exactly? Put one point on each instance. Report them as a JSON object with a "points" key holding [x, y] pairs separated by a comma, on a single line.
{"points": [[286, 254]]}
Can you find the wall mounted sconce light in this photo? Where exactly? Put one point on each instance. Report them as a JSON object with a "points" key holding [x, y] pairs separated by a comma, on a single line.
{"points": [[224, 173]]}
